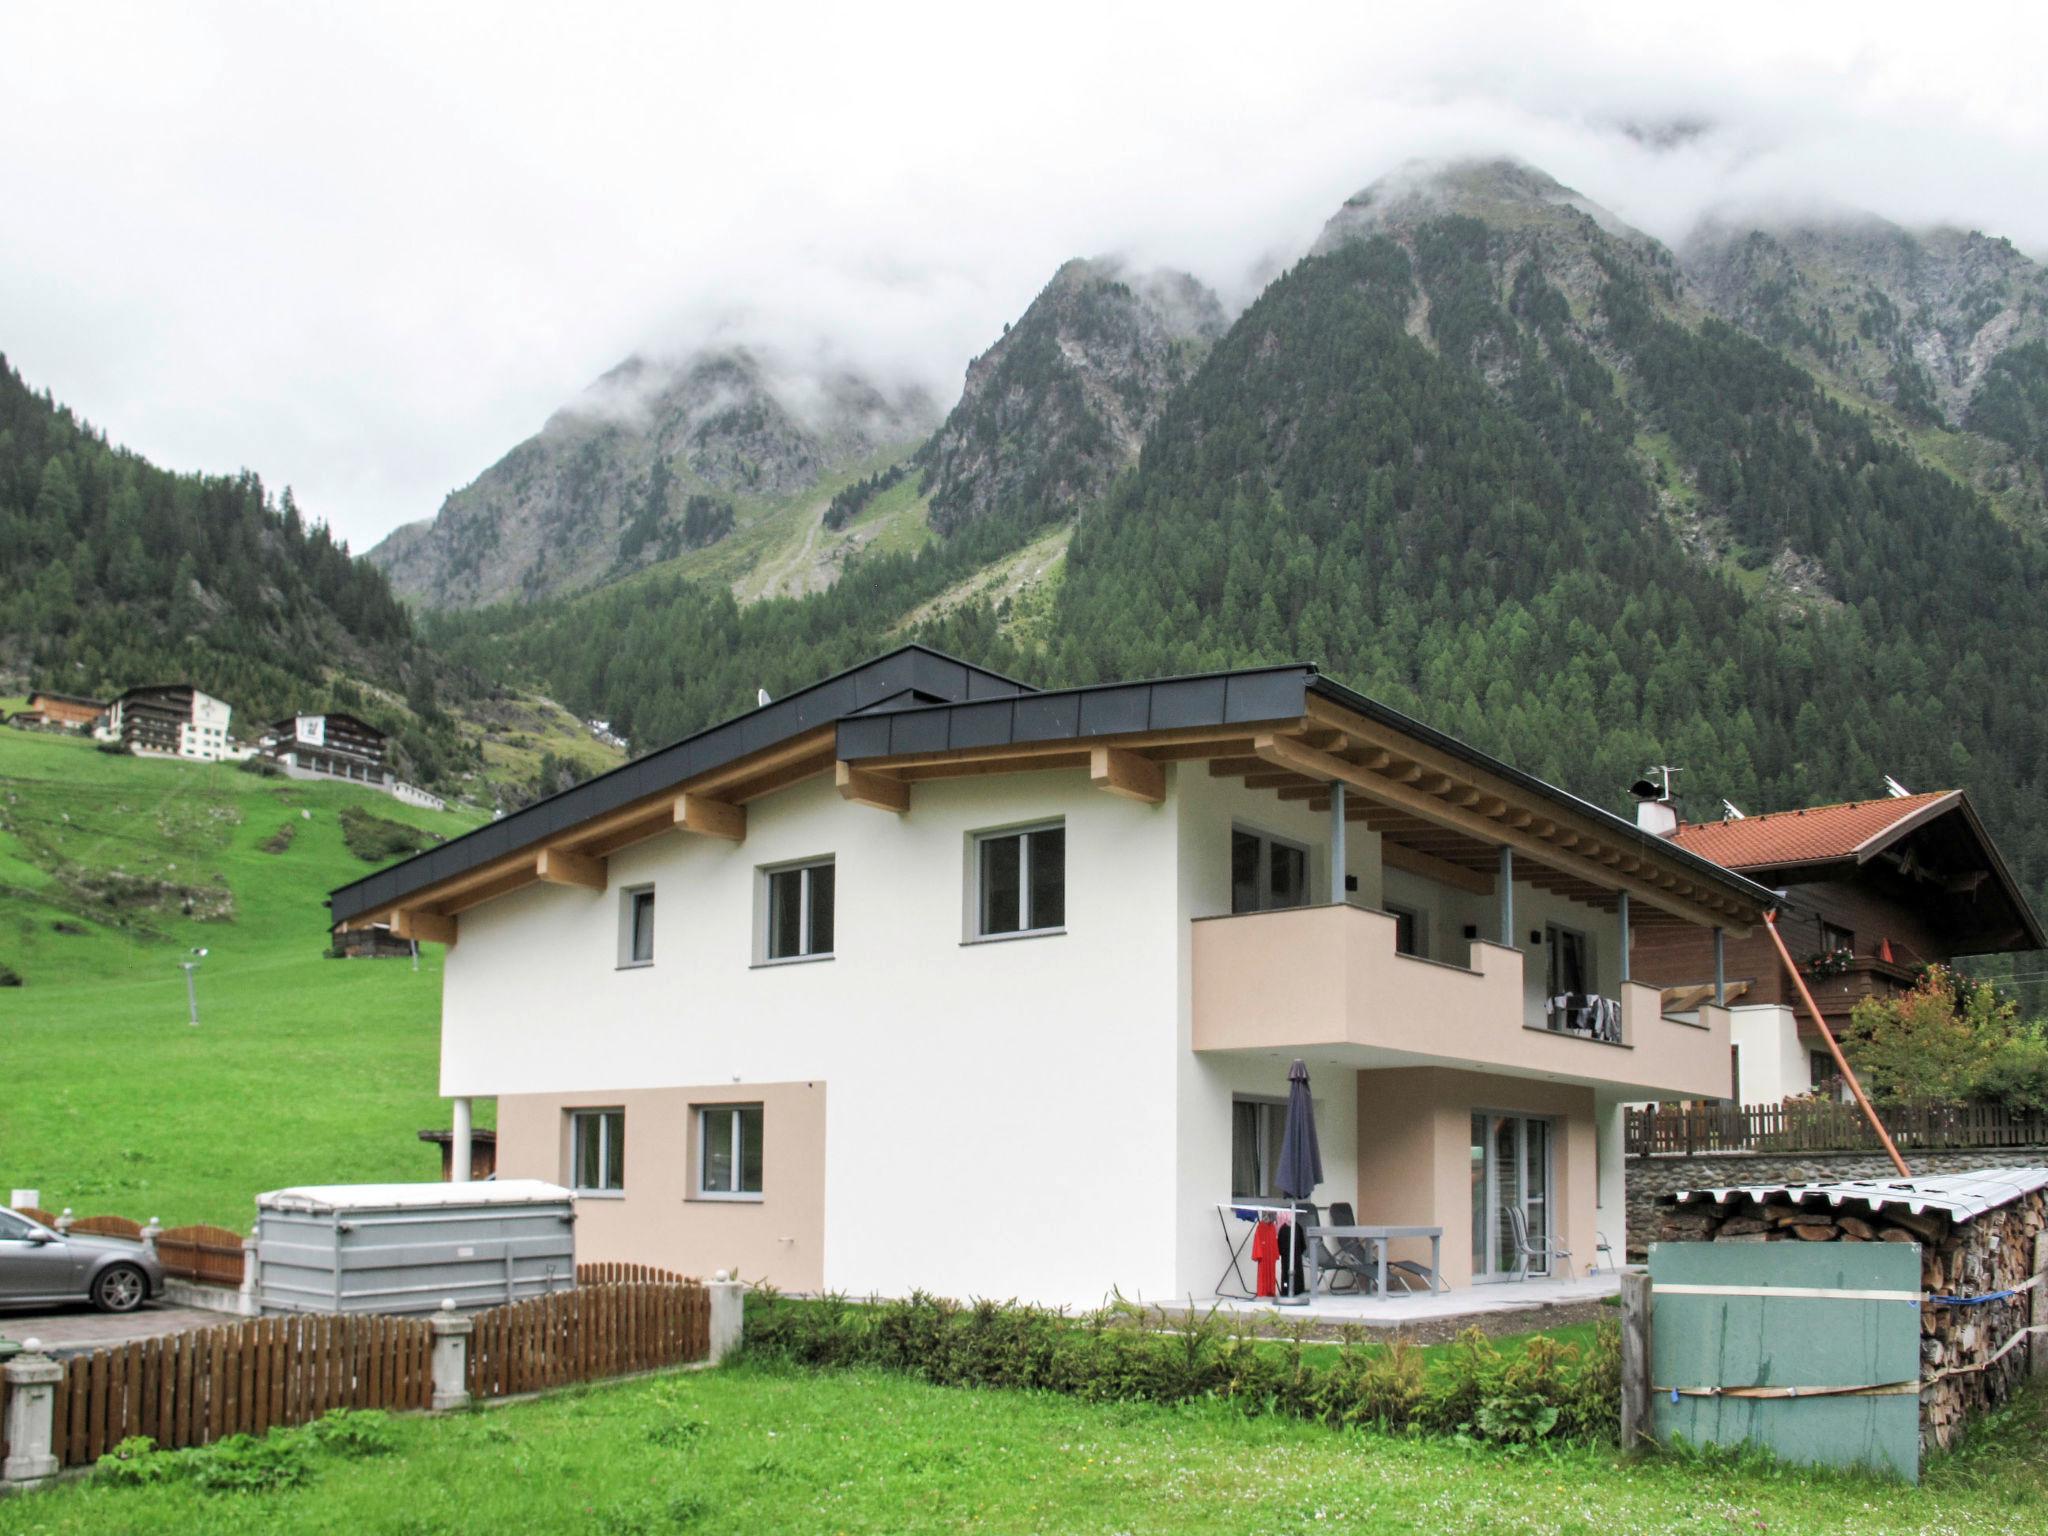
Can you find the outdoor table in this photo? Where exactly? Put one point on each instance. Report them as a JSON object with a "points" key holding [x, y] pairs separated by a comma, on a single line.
{"points": [[1379, 1237]]}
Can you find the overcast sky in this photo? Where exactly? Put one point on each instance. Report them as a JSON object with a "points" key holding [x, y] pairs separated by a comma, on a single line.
{"points": [[364, 249]]}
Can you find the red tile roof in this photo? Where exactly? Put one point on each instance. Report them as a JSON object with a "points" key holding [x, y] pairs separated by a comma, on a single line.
{"points": [[1813, 835]]}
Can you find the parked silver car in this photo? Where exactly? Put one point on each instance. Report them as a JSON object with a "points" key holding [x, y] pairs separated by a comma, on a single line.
{"points": [[39, 1265]]}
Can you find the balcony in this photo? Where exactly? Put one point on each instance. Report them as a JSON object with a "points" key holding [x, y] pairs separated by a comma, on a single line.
{"points": [[1327, 981]]}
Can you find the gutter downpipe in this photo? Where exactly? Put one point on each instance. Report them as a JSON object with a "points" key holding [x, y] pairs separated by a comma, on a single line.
{"points": [[1834, 1049]]}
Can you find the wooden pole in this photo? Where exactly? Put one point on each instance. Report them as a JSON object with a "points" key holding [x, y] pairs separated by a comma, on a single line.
{"points": [[2037, 1311], [1834, 1049], [1636, 1432]]}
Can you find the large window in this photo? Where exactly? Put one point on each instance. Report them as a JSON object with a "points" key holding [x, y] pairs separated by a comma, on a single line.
{"points": [[1266, 873], [1256, 1129], [729, 1151], [1570, 967], [1020, 881], [800, 911], [636, 926], [597, 1151]]}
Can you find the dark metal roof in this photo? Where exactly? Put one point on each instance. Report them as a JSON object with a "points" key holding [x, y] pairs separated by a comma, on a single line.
{"points": [[916, 700], [1220, 698], [914, 670]]}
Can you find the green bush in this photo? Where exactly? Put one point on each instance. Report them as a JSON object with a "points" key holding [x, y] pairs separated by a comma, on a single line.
{"points": [[9, 976], [1546, 1392], [283, 1458]]}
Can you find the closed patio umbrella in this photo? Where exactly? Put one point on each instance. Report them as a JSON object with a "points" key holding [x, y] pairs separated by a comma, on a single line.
{"points": [[1301, 1165]]}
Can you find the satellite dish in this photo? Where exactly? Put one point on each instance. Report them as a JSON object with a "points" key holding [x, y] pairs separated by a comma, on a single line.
{"points": [[1730, 811], [761, 697], [1895, 789]]}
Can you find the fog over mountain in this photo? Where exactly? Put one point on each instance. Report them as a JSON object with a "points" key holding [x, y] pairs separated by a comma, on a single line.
{"points": [[384, 243]]}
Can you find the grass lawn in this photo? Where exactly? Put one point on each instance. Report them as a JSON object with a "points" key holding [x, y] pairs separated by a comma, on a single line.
{"points": [[757, 1450], [303, 1069]]}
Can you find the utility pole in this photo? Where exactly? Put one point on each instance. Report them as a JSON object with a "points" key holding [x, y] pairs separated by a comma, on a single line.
{"points": [[192, 987]]}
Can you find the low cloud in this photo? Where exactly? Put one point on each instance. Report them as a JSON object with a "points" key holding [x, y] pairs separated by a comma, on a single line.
{"points": [[364, 250]]}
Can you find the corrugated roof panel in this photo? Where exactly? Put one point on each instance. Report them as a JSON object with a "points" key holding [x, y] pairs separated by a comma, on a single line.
{"points": [[1959, 1196]]}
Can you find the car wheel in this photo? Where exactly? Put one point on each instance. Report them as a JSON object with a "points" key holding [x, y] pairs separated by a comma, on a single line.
{"points": [[120, 1288]]}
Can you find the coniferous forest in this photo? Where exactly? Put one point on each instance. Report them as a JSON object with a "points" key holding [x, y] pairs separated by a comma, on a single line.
{"points": [[114, 573]]}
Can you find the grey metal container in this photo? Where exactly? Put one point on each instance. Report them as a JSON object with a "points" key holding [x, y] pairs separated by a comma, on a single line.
{"points": [[401, 1248]]}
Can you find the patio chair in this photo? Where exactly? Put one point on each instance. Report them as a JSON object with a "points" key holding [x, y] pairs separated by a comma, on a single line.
{"points": [[1527, 1249], [1335, 1261], [1356, 1257]]}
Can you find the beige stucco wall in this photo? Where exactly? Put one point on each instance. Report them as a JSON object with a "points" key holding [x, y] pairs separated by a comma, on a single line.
{"points": [[779, 1238], [1415, 1155]]}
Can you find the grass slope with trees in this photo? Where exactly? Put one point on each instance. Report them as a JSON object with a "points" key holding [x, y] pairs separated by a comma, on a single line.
{"points": [[302, 1070]]}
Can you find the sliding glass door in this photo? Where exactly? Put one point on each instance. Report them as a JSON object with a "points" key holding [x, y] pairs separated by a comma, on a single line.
{"points": [[1510, 1180]]}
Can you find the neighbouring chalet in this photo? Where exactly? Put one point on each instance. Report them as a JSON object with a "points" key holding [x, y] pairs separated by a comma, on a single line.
{"points": [[331, 746], [1873, 891], [921, 977], [68, 710], [168, 720]]}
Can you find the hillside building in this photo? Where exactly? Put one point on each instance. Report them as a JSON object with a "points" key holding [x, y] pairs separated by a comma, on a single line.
{"points": [[169, 720], [69, 710], [923, 978], [333, 746]]}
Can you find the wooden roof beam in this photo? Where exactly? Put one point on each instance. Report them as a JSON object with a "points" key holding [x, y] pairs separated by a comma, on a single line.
{"points": [[558, 866], [413, 924], [858, 786], [711, 818], [1125, 773]]}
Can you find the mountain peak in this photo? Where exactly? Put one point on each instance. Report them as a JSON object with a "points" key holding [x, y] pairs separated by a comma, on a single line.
{"points": [[1502, 192]]}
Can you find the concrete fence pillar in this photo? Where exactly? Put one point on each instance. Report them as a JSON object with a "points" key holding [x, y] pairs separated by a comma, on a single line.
{"points": [[451, 1358], [246, 1301], [32, 1380], [727, 1313]]}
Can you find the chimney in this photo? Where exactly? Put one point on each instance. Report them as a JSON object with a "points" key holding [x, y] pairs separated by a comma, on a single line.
{"points": [[1656, 806]]}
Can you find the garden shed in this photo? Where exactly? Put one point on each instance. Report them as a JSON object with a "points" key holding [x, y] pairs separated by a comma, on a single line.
{"points": [[403, 1248], [1978, 1314]]}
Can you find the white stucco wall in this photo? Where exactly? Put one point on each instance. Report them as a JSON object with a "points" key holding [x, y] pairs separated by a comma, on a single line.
{"points": [[1774, 1064], [1000, 1116]]}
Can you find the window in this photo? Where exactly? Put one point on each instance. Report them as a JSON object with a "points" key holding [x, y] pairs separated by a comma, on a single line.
{"points": [[1021, 881], [1570, 962], [597, 1151], [800, 900], [1266, 873], [14, 1228], [1833, 938], [729, 1151], [1408, 937], [636, 926], [1256, 1129]]}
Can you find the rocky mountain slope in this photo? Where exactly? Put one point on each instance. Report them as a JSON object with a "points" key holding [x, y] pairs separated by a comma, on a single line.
{"points": [[652, 460], [1946, 327], [1062, 402]]}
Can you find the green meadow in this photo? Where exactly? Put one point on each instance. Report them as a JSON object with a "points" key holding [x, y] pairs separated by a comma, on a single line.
{"points": [[302, 1069]]}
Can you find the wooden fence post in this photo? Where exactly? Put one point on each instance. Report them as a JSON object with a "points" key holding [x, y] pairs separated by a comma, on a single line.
{"points": [[451, 1333], [1635, 1361], [2037, 1310], [32, 1380]]}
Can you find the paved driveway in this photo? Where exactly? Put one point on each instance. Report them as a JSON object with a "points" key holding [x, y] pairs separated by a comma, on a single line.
{"points": [[72, 1330]]}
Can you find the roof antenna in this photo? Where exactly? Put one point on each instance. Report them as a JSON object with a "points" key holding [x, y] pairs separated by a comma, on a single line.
{"points": [[1730, 811], [761, 697], [1895, 789]]}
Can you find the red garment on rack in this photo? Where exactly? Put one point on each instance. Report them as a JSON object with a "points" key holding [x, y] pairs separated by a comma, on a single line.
{"points": [[1266, 1255]]}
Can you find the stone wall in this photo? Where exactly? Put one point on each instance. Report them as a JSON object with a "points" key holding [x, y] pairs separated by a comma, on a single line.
{"points": [[1650, 1178]]}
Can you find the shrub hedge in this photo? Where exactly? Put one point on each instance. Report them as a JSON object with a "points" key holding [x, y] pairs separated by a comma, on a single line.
{"points": [[1544, 1391]]}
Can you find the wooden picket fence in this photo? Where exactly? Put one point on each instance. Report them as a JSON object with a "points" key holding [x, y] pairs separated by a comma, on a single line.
{"points": [[194, 1388], [606, 1329], [210, 1255], [1822, 1126], [616, 1272]]}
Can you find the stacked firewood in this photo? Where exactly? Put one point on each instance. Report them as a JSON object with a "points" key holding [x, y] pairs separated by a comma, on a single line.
{"points": [[1991, 1252]]}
